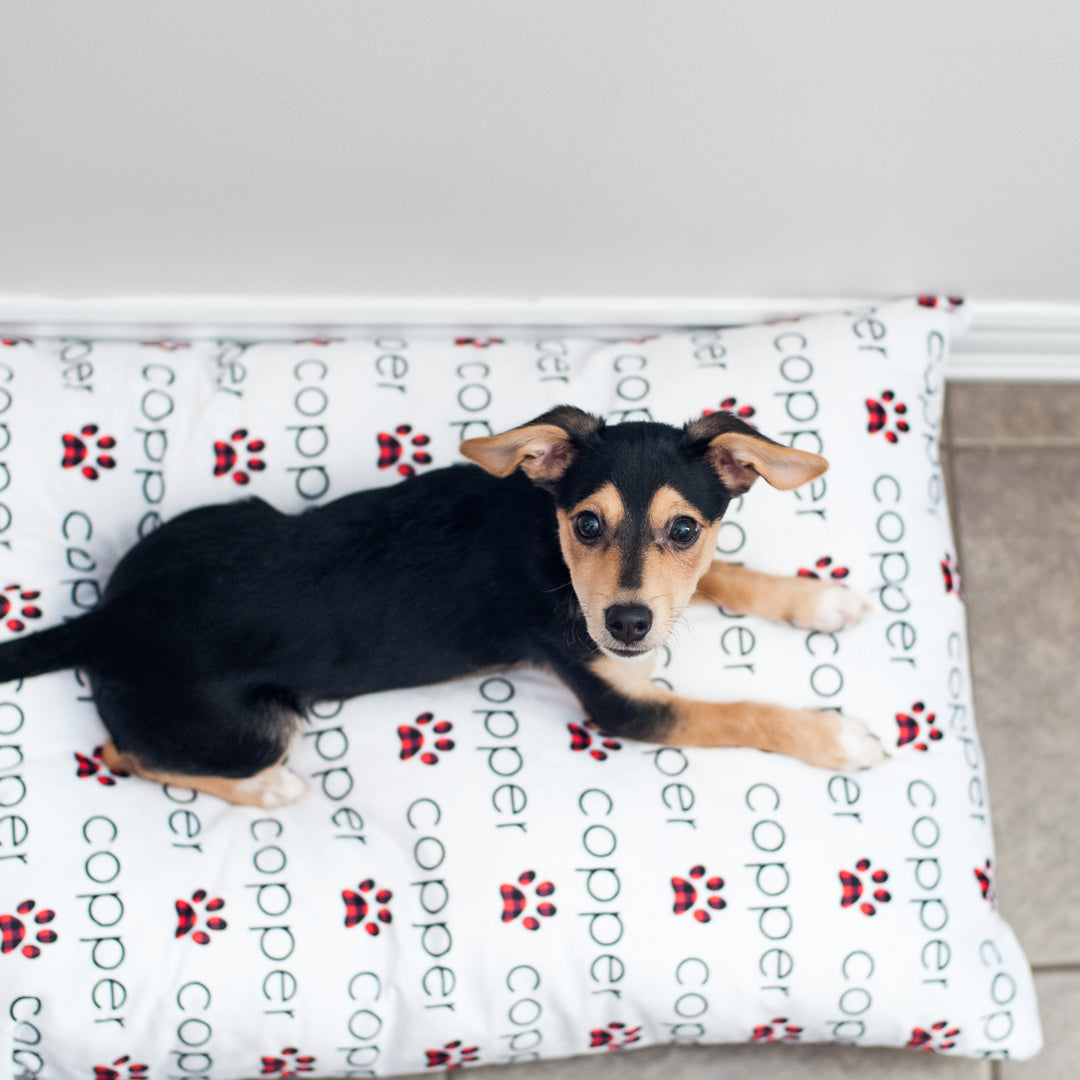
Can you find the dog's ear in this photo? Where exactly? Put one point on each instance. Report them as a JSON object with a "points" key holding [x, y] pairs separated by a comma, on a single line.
{"points": [[739, 454], [543, 448]]}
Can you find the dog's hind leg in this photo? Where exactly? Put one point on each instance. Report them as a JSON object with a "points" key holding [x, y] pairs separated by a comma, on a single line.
{"points": [[272, 787], [216, 738], [804, 602]]}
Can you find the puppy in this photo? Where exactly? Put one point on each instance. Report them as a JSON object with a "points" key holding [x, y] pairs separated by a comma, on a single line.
{"points": [[574, 547]]}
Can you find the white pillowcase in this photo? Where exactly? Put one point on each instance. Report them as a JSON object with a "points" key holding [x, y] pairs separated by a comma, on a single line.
{"points": [[519, 886]]}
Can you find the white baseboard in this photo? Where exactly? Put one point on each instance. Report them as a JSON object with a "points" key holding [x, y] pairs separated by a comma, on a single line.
{"points": [[1008, 340], [1016, 340]]}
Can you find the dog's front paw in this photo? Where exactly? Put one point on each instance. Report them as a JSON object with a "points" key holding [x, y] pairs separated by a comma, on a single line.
{"points": [[857, 746], [837, 608], [832, 741]]}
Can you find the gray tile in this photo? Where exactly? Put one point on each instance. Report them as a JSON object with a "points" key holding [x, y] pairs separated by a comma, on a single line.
{"points": [[983, 413], [1019, 517], [950, 487], [1059, 1003], [746, 1063]]}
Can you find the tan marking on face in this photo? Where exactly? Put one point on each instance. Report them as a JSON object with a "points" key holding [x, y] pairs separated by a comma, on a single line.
{"points": [[594, 568], [605, 501], [668, 504], [632, 679], [669, 573]]}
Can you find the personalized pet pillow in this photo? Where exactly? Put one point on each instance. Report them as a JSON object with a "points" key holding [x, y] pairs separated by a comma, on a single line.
{"points": [[478, 874]]}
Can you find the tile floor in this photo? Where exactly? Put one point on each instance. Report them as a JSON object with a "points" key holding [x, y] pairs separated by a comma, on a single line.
{"points": [[1013, 455]]}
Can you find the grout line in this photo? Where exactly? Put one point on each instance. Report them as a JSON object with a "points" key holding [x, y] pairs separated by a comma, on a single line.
{"points": [[1065, 968], [1048, 442], [946, 438], [952, 491]]}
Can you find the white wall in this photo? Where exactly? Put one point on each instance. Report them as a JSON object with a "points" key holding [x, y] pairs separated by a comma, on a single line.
{"points": [[513, 148]]}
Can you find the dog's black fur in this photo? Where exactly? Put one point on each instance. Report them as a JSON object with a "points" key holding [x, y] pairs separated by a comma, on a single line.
{"points": [[222, 627]]}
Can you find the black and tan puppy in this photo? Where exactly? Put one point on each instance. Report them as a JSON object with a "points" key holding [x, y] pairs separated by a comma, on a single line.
{"points": [[575, 547]]}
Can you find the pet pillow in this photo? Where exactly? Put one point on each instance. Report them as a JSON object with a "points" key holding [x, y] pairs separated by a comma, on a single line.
{"points": [[479, 875]]}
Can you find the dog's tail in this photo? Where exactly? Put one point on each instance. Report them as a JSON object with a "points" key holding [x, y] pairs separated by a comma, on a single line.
{"points": [[63, 646]]}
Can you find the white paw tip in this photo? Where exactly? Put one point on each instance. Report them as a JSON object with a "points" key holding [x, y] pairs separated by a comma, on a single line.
{"points": [[861, 747], [277, 787], [838, 608]]}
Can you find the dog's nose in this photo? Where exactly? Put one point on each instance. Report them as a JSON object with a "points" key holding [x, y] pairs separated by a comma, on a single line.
{"points": [[628, 623]]}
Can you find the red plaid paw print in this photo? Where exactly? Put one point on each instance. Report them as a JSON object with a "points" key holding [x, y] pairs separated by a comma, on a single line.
{"points": [[412, 739], [731, 405], [76, 451], [581, 739], [357, 906], [13, 930], [166, 345], [951, 575], [452, 1056], [948, 303], [478, 343], [515, 901], [17, 601], [879, 416], [686, 894], [226, 455], [938, 1037], [984, 875], [391, 449], [288, 1063], [779, 1030], [187, 917], [614, 1037], [123, 1068], [94, 766], [823, 565], [911, 726], [852, 887]]}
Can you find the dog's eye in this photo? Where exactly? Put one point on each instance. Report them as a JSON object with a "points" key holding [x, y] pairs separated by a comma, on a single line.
{"points": [[587, 526], [684, 531]]}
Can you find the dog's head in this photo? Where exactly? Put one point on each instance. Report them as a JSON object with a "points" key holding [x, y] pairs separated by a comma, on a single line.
{"points": [[639, 505]]}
